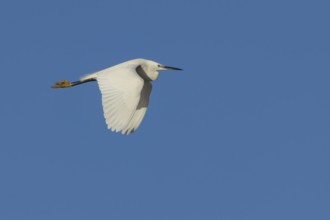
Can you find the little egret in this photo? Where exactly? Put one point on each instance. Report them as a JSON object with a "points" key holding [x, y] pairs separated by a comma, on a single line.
{"points": [[125, 90]]}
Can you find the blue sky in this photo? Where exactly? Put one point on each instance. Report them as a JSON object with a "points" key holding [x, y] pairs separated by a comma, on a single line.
{"points": [[242, 133]]}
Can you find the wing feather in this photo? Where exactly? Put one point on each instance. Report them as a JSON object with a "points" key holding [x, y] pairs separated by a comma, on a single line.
{"points": [[141, 108], [121, 92]]}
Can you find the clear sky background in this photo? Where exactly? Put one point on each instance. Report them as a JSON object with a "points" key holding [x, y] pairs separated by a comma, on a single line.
{"points": [[242, 133]]}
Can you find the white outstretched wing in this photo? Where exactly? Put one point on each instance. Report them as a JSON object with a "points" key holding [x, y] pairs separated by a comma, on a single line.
{"points": [[125, 96]]}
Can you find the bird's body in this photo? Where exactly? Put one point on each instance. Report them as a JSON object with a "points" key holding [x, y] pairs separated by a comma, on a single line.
{"points": [[125, 90]]}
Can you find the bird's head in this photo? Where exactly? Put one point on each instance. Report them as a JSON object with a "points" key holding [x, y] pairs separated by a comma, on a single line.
{"points": [[151, 68]]}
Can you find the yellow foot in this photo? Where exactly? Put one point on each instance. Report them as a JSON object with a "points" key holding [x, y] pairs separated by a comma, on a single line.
{"points": [[62, 84]]}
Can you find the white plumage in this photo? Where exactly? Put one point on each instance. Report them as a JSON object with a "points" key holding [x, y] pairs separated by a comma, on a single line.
{"points": [[125, 90]]}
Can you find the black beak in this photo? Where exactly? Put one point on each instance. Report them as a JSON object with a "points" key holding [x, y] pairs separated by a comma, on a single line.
{"points": [[171, 68]]}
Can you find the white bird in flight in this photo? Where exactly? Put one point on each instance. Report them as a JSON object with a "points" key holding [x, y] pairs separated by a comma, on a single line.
{"points": [[125, 90]]}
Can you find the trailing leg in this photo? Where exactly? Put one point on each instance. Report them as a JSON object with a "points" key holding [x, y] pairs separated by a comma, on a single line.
{"points": [[67, 84]]}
